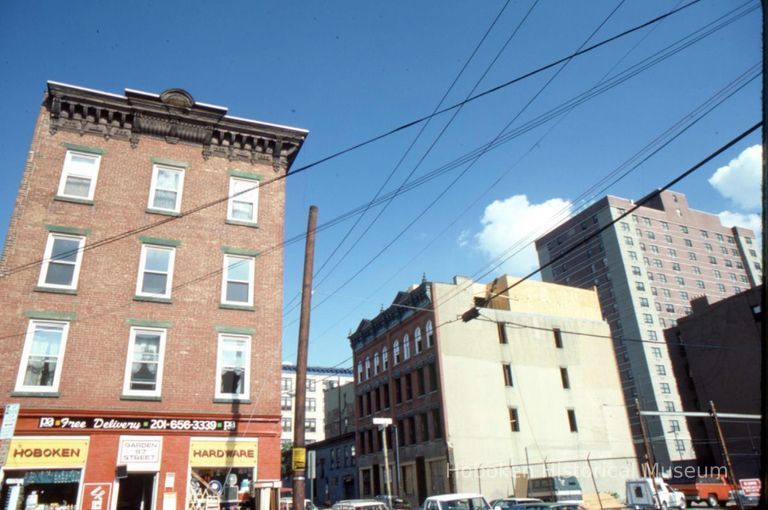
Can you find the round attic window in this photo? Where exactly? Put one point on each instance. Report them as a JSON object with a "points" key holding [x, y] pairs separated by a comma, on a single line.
{"points": [[178, 98]]}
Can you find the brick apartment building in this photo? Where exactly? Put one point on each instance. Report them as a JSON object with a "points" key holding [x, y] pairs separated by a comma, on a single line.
{"points": [[715, 353], [140, 335], [646, 269], [528, 389]]}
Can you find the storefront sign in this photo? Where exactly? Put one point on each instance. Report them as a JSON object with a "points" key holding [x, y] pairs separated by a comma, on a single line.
{"points": [[10, 416], [31, 452], [96, 496], [217, 452], [97, 423], [140, 453]]}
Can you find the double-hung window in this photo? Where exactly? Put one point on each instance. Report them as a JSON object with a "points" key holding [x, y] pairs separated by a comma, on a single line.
{"points": [[144, 366], [61, 263], [243, 200], [78, 177], [233, 367], [167, 185], [155, 271], [237, 283], [41, 360]]}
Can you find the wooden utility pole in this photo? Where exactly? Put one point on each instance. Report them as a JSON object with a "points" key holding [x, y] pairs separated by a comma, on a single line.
{"points": [[298, 459], [724, 450], [764, 292], [594, 483], [649, 460]]}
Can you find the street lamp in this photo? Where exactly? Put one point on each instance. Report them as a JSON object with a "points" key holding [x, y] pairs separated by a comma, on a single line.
{"points": [[383, 423]]}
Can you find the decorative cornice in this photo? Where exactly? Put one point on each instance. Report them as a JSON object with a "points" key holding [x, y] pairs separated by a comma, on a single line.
{"points": [[175, 117], [404, 306]]}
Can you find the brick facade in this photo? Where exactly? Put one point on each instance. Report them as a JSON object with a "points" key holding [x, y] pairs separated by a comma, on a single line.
{"points": [[102, 308]]}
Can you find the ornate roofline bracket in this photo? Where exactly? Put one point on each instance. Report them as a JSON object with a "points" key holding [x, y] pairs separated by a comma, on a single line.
{"points": [[175, 117]]}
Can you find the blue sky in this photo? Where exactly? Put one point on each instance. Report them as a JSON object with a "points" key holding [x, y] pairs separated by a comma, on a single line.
{"points": [[347, 71]]}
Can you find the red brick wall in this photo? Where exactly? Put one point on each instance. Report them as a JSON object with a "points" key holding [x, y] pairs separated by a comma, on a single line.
{"points": [[95, 356]]}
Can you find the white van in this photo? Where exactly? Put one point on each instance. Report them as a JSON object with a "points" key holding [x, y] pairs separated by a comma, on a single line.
{"points": [[642, 495]]}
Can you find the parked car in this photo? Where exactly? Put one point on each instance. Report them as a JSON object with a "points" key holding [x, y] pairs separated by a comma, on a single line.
{"points": [[359, 504], [715, 490], [544, 505], [556, 489], [512, 503], [460, 501], [287, 504], [641, 494], [393, 502]]}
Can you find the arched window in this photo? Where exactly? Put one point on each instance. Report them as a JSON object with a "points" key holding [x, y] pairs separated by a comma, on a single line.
{"points": [[384, 358], [396, 352], [359, 371], [430, 334], [367, 368], [417, 347], [376, 367], [406, 347]]}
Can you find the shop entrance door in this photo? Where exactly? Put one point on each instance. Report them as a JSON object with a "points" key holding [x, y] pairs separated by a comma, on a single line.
{"points": [[137, 492]]}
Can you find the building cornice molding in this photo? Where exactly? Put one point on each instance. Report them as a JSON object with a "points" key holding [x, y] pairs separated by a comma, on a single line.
{"points": [[175, 117]]}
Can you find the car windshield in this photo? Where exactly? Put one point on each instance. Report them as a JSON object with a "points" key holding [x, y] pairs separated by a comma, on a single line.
{"points": [[465, 504]]}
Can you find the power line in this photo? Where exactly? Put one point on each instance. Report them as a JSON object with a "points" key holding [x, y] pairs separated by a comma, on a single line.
{"points": [[754, 71], [683, 43], [465, 170], [276, 247], [209, 204], [407, 151], [499, 87], [469, 315], [740, 81], [620, 339], [434, 142]]}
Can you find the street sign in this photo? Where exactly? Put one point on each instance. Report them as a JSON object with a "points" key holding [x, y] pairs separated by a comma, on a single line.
{"points": [[750, 486], [10, 416], [299, 459], [311, 465], [382, 421], [5, 447]]}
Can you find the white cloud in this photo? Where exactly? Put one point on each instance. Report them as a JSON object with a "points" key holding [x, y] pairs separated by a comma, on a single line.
{"points": [[507, 222], [750, 221], [739, 181], [463, 239]]}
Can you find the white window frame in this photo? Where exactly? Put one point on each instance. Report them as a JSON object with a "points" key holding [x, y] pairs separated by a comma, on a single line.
{"points": [[129, 362], [224, 280], [429, 334], [153, 187], [417, 345], [24, 362], [406, 347], [251, 196], [246, 378], [67, 171], [47, 260], [142, 270]]}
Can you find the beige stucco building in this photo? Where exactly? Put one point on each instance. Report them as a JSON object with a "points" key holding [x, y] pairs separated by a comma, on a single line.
{"points": [[529, 387]]}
